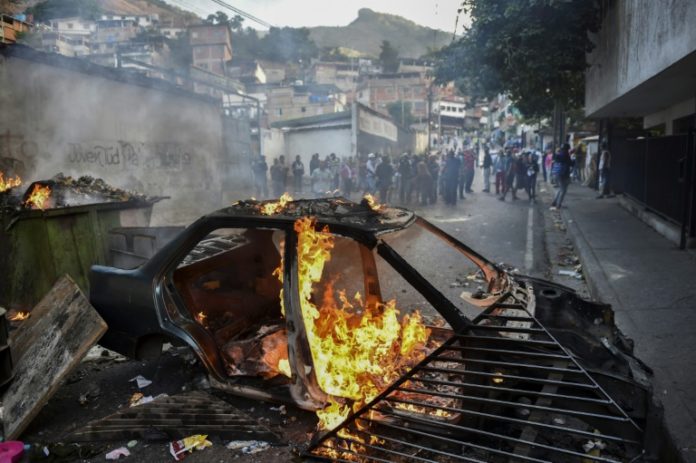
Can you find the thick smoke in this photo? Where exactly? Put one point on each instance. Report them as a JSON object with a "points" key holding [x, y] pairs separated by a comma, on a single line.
{"points": [[66, 115]]}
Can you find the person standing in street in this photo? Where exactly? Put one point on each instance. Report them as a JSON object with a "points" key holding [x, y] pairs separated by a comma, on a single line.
{"points": [[346, 177], [579, 164], [276, 179], [423, 183], [321, 180], [298, 171], [469, 169], [371, 174], [500, 172], [532, 165], [313, 163], [450, 176], [334, 167], [284, 170], [384, 173], [487, 163], [604, 168], [520, 168], [461, 182], [562, 165], [434, 169], [405, 173], [547, 163], [509, 175]]}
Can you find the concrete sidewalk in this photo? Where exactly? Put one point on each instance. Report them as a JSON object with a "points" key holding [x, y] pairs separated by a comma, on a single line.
{"points": [[651, 285]]}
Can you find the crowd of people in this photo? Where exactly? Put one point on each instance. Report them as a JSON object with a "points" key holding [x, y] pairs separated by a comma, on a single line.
{"points": [[407, 178], [423, 179]]}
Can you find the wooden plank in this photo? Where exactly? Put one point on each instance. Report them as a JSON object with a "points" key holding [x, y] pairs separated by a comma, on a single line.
{"points": [[64, 326]]}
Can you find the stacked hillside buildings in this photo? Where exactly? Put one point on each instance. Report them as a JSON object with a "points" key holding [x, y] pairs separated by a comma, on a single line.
{"points": [[269, 94]]}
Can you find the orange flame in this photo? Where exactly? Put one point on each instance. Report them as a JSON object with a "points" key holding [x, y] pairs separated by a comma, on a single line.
{"points": [[38, 199], [10, 182], [276, 207], [200, 318], [356, 353], [19, 316], [372, 202]]}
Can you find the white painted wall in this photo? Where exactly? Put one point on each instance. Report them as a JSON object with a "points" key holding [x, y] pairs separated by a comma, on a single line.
{"points": [[322, 141], [667, 116], [272, 143]]}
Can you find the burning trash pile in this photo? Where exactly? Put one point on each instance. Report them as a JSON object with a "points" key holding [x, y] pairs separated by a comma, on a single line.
{"points": [[61, 191]]}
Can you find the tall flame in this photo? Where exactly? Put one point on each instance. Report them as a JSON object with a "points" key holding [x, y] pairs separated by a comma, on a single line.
{"points": [[10, 182], [276, 207], [356, 352], [38, 199]]}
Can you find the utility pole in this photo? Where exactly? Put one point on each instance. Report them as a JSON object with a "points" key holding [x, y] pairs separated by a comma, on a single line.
{"points": [[430, 114]]}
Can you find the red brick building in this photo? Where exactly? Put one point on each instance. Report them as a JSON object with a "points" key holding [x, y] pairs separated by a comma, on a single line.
{"points": [[211, 46]]}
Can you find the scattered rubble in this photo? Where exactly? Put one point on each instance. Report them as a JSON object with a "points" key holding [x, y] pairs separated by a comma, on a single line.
{"points": [[118, 453], [248, 446], [180, 448], [141, 381]]}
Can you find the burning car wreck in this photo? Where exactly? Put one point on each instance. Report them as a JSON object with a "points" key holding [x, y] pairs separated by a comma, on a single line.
{"points": [[326, 305]]}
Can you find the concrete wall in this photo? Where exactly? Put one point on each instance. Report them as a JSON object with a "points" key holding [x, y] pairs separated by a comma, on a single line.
{"points": [[668, 115], [272, 143], [54, 119], [323, 141], [638, 40]]}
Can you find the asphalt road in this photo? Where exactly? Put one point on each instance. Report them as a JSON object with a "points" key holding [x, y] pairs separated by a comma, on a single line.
{"points": [[509, 232]]}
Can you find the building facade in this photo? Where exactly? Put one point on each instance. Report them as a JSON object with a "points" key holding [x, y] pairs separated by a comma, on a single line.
{"points": [[211, 46], [644, 64], [379, 91], [11, 27]]}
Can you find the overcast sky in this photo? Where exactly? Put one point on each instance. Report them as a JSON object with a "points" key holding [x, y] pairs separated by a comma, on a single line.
{"points": [[439, 14]]}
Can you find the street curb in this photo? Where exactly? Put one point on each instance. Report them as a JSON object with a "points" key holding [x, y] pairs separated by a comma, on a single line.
{"points": [[591, 269]]}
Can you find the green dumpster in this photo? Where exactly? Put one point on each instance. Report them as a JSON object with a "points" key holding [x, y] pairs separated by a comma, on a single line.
{"points": [[37, 247]]}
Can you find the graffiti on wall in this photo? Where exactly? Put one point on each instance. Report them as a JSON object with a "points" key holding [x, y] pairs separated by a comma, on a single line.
{"points": [[130, 155]]}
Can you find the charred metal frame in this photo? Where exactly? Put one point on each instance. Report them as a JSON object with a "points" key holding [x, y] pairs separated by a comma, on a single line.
{"points": [[126, 296]]}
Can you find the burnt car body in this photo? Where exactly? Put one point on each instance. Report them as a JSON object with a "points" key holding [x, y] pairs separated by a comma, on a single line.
{"points": [[526, 318]]}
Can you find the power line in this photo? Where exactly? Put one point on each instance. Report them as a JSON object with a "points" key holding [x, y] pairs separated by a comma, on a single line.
{"points": [[243, 13], [188, 6]]}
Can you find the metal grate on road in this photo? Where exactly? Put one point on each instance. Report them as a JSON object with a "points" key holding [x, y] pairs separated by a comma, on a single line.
{"points": [[501, 390]]}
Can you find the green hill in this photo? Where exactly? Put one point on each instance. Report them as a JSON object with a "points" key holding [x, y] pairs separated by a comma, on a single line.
{"points": [[367, 32]]}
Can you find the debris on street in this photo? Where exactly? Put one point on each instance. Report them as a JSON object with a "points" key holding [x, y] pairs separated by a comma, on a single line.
{"points": [[180, 448], [248, 446], [118, 453], [141, 381], [571, 273]]}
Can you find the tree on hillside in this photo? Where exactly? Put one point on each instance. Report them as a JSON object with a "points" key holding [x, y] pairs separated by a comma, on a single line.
{"points": [[51, 9], [220, 17], [288, 44], [533, 50], [389, 57], [246, 45]]}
